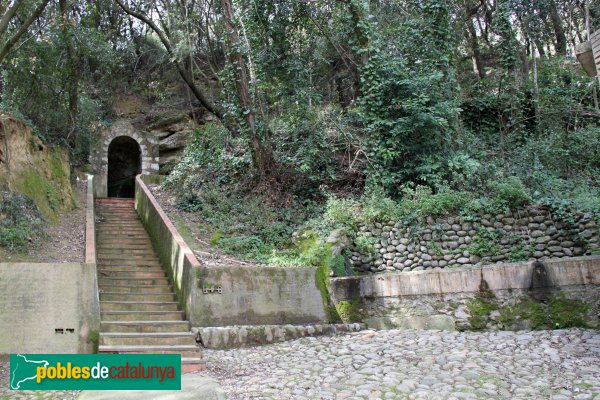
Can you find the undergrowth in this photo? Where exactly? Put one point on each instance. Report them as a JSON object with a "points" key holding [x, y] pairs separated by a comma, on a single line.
{"points": [[21, 223], [288, 222]]}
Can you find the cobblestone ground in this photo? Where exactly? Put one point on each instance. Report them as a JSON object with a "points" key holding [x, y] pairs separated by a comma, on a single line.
{"points": [[393, 364], [556, 365]]}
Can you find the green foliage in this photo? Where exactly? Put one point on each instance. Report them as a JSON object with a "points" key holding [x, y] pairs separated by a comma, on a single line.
{"points": [[485, 244], [365, 245], [510, 194], [21, 223], [422, 202]]}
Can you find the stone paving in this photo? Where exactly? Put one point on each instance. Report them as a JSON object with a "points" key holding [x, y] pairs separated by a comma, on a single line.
{"points": [[557, 365]]}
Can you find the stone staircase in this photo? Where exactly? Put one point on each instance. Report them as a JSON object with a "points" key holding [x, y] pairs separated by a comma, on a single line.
{"points": [[139, 310]]}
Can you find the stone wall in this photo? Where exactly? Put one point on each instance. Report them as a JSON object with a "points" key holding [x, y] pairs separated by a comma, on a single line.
{"points": [[48, 308], [526, 234], [228, 295], [230, 337], [506, 296]]}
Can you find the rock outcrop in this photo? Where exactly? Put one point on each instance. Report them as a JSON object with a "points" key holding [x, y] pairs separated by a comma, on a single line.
{"points": [[29, 167]]}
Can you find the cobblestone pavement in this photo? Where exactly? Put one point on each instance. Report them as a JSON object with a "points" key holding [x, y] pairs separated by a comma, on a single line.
{"points": [[394, 364], [555, 365]]}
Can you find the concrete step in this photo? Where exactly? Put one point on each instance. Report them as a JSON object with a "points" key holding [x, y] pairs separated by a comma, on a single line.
{"points": [[111, 235], [144, 326], [147, 338], [142, 316], [158, 273], [117, 296], [139, 306], [110, 281], [188, 351], [128, 257], [129, 268], [125, 288], [120, 229], [132, 274], [111, 250], [107, 262], [124, 242], [103, 248], [192, 364]]}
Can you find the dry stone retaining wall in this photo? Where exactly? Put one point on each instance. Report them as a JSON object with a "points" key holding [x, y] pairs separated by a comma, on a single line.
{"points": [[532, 233]]}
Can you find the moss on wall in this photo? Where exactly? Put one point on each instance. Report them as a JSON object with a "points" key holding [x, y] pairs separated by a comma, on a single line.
{"points": [[480, 309], [350, 311], [94, 340], [557, 313]]}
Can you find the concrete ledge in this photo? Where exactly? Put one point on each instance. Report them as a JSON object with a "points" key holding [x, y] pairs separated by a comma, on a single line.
{"points": [[230, 337], [174, 253], [561, 272], [90, 229], [48, 308]]}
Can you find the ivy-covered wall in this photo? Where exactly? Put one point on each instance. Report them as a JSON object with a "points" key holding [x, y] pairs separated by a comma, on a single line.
{"points": [[531, 233]]}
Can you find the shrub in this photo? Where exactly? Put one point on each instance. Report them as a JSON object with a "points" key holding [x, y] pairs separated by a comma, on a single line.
{"points": [[365, 245], [509, 194], [20, 221]]}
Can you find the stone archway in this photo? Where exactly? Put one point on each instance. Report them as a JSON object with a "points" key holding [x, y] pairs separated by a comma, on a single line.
{"points": [[124, 163], [142, 153]]}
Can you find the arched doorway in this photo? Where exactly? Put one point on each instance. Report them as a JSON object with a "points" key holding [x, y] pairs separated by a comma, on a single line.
{"points": [[124, 163]]}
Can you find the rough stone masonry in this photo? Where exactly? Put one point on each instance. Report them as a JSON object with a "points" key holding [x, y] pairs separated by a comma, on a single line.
{"points": [[529, 233]]}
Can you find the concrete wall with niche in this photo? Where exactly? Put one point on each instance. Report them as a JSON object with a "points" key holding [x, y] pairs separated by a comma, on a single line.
{"points": [[48, 308], [148, 144]]}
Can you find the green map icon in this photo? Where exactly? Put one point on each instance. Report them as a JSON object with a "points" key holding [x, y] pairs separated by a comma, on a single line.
{"points": [[23, 369]]}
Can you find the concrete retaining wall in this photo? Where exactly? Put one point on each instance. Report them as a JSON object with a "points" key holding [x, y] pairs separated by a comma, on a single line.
{"points": [[52, 308], [255, 295], [440, 298], [226, 295], [48, 308]]}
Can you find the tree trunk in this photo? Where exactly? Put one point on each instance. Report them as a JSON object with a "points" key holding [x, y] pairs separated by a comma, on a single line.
{"points": [[261, 154], [362, 37], [475, 49], [73, 63], [559, 32]]}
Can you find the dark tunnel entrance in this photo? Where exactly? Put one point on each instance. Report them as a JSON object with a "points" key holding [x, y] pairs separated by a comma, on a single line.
{"points": [[124, 163]]}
